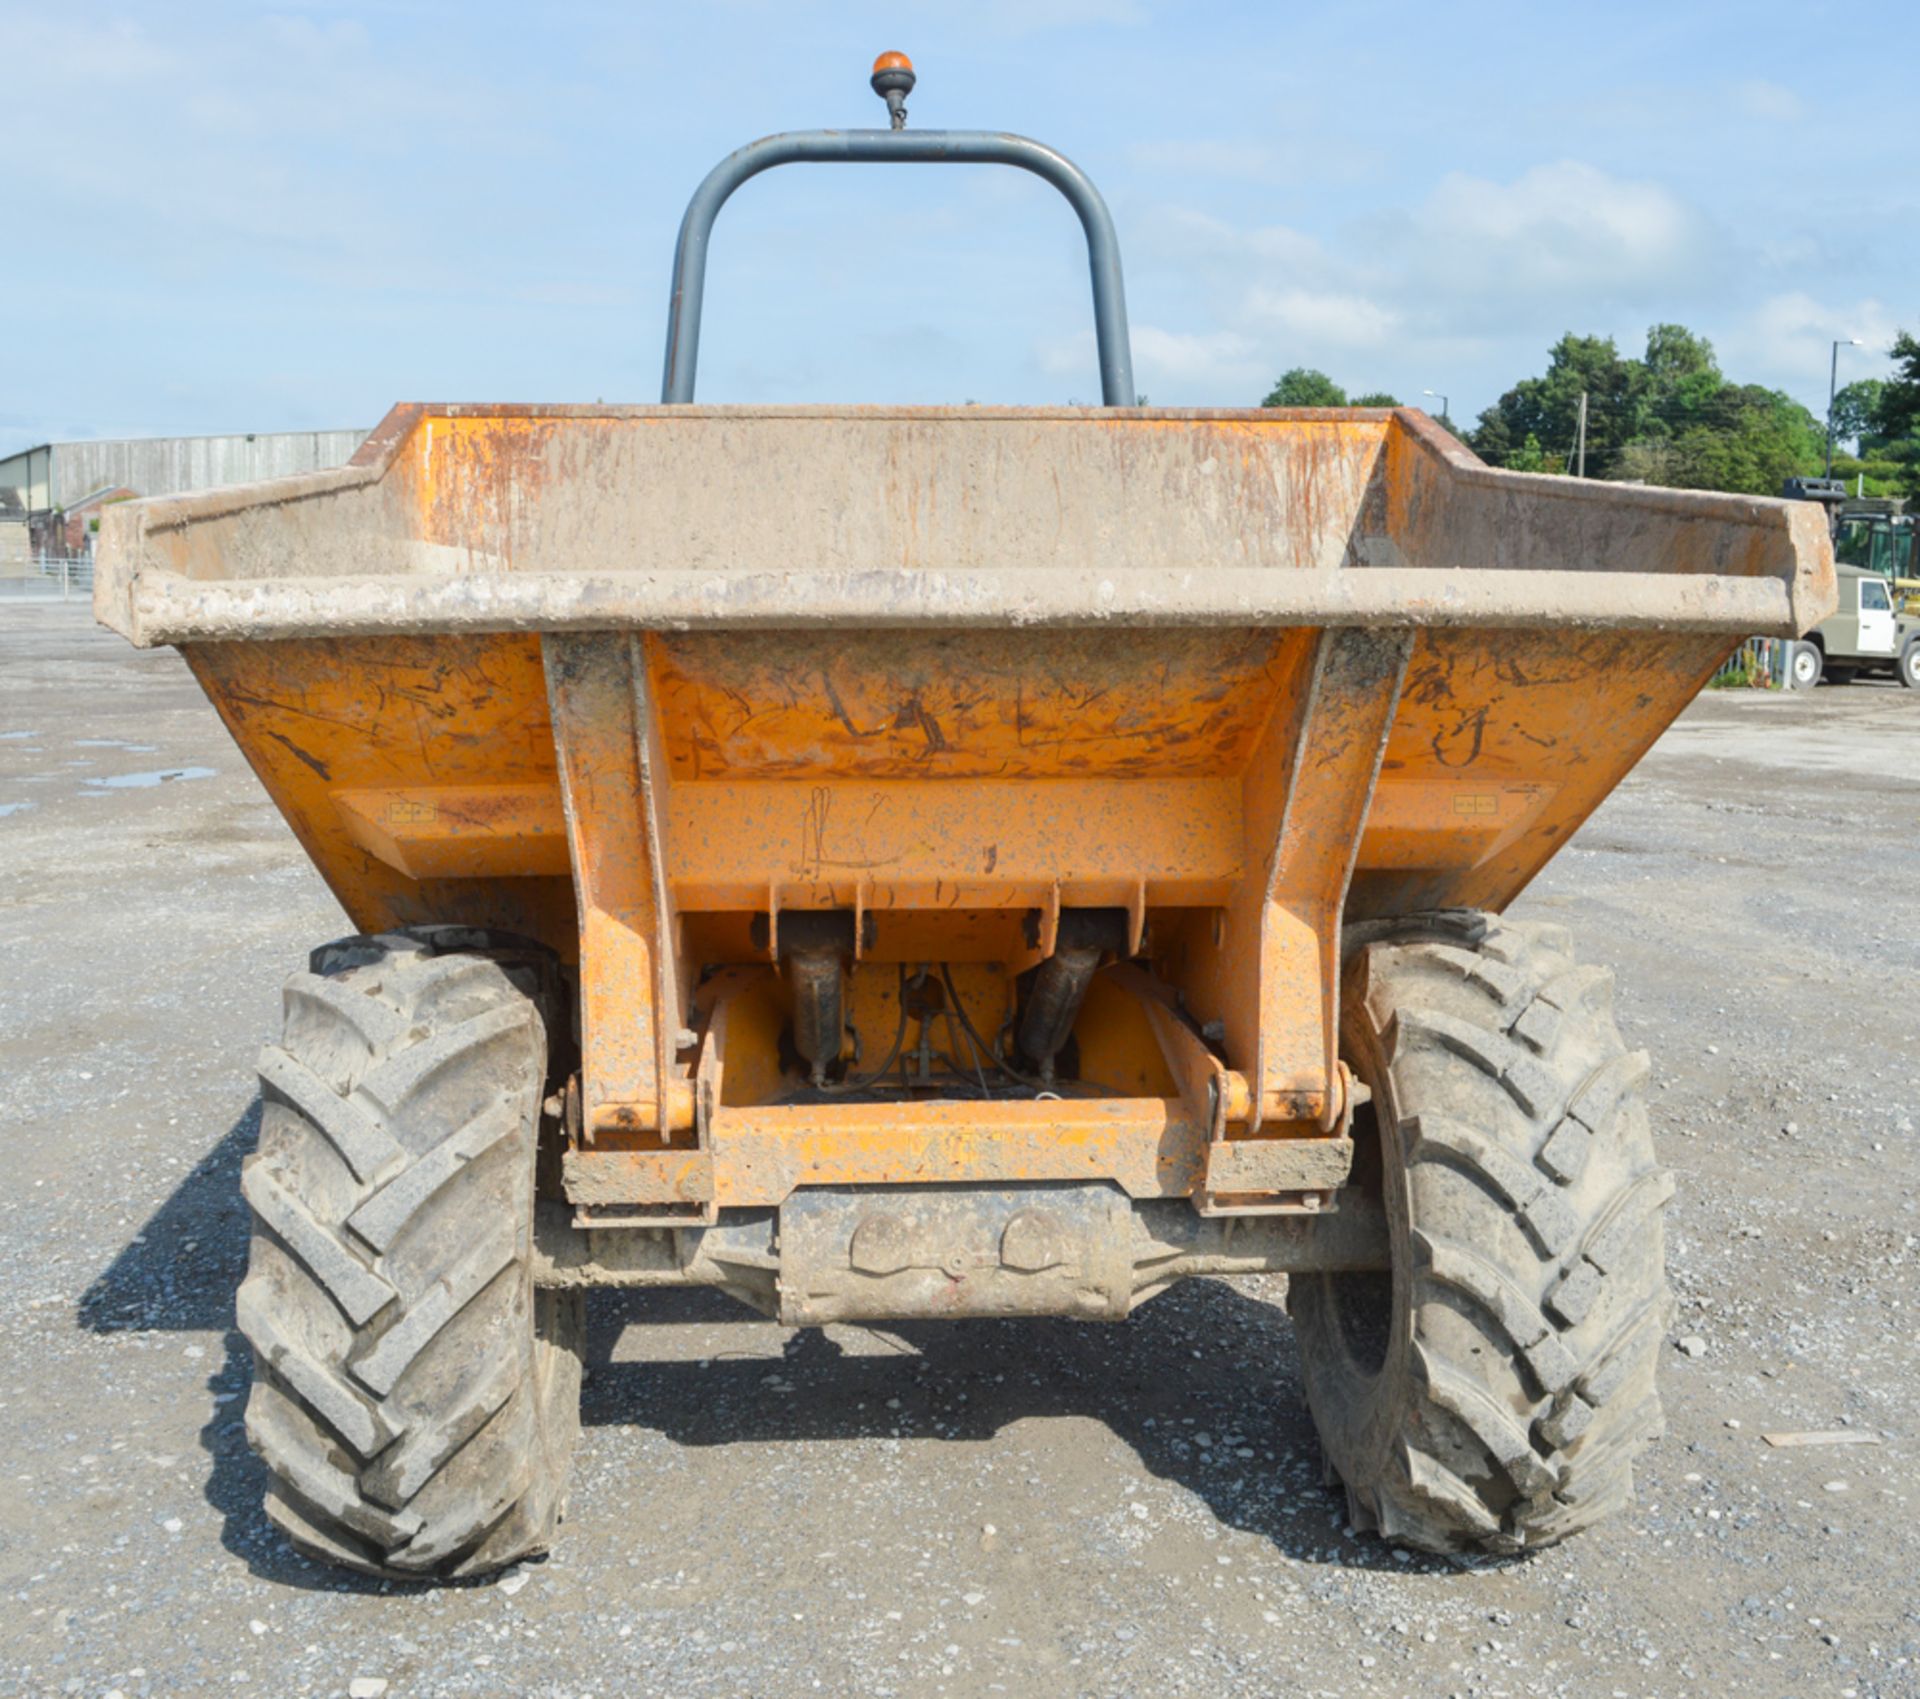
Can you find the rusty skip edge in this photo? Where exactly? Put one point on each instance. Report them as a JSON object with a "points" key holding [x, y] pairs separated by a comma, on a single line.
{"points": [[164, 607], [151, 604]]}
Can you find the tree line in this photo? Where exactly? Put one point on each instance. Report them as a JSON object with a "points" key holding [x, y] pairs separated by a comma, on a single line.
{"points": [[1671, 416]]}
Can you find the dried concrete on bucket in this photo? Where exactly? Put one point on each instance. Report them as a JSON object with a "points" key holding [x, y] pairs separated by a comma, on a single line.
{"points": [[572, 518]]}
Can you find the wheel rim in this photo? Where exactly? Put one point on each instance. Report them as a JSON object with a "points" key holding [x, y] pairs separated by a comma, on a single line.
{"points": [[1363, 1304], [1367, 1315]]}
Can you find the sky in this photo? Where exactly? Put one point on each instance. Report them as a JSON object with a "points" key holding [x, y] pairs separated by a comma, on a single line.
{"points": [[231, 217]]}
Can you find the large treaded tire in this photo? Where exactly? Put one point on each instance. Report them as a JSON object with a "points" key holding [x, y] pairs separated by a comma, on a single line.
{"points": [[415, 1399], [1492, 1392]]}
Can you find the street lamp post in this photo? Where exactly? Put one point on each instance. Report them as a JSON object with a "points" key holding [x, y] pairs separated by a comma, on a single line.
{"points": [[1833, 389], [1445, 413]]}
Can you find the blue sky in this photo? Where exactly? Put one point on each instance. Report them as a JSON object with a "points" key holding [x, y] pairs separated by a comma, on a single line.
{"points": [[234, 217]]}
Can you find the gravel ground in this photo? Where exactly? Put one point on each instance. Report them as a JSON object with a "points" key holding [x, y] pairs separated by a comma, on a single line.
{"points": [[980, 1508]]}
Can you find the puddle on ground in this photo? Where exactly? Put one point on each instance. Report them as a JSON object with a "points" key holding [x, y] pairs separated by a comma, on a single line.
{"points": [[146, 781], [14, 737], [114, 743], [7, 808]]}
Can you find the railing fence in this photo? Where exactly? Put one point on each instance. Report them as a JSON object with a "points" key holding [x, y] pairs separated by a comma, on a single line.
{"points": [[48, 578], [1760, 663]]}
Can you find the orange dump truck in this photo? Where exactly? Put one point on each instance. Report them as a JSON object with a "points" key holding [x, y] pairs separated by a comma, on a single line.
{"points": [[917, 862]]}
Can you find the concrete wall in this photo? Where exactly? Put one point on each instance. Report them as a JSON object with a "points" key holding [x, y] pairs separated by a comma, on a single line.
{"points": [[158, 466]]}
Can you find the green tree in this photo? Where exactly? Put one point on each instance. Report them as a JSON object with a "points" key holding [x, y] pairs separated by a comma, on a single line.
{"points": [[1531, 457], [1375, 398], [1897, 419], [1899, 410], [1670, 417], [1856, 413], [1649, 460], [1548, 407], [1750, 440], [1305, 387], [1877, 473], [1682, 388], [1679, 363]]}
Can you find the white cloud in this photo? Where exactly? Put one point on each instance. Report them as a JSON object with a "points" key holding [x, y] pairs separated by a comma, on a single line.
{"points": [[1322, 318], [1466, 258], [257, 134], [116, 55], [1791, 337], [1221, 361], [1770, 102], [1179, 235], [565, 292], [1561, 226], [277, 199], [1478, 274], [1182, 357], [1231, 161], [1034, 17]]}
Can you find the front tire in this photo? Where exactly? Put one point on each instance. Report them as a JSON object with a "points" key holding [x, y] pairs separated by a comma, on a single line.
{"points": [[1908, 670], [1493, 1390], [415, 1399], [1808, 665]]}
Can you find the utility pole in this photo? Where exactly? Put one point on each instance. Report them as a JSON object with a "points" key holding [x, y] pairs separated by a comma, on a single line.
{"points": [[1580, 441]]}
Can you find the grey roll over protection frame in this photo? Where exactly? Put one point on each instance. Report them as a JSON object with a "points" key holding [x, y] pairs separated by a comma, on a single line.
{"points": [[898, 146]]}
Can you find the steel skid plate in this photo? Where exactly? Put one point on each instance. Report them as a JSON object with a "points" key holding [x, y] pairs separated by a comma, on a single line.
{"points": [[890, 1253]]}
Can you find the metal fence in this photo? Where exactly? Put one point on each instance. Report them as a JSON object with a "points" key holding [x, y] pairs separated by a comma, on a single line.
{"points": [[47, 579], [1760, 663]]}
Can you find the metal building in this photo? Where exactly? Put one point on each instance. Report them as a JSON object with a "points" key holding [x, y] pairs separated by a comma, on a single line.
{"points": [[40, 484]]}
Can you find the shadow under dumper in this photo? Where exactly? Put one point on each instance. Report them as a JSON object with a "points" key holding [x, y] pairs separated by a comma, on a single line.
{"points": [[1203, 1383]]}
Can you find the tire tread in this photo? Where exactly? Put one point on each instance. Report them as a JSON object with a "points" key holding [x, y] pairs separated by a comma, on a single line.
{"points": [[413, 1405], [1535, 1281]]}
